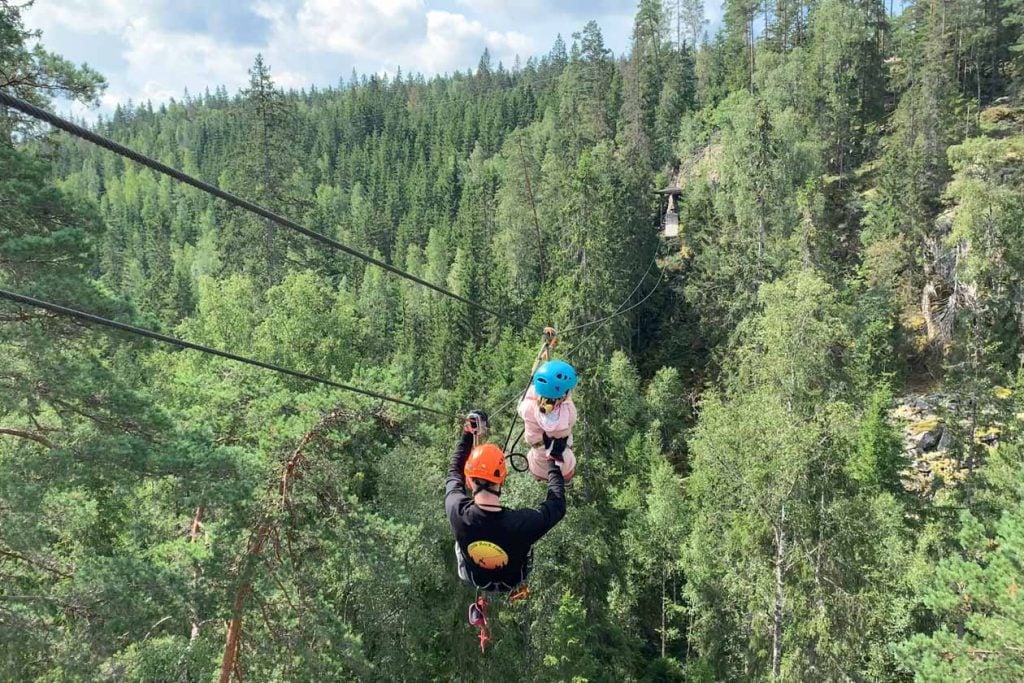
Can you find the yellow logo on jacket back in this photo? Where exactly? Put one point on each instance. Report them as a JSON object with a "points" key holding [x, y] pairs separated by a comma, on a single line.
{"points": [[487, 555]]}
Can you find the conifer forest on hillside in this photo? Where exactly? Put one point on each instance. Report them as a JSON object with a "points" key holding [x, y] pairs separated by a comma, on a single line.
{"points": [[801, 420]]}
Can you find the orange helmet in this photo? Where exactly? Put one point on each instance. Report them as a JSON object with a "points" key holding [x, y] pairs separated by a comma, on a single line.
{"points": [[486, 462]]}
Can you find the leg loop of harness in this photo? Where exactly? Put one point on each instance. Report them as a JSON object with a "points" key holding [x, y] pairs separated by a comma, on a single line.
{"points": [[479, 611], [478, 618]]}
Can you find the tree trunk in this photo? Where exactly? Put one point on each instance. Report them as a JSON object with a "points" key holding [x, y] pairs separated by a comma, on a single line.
{"points": [[819, 602], [762, 239], [785, 22], [663, 631], [750, 47], [229, 661], [780, 595], [193, 535], [228, 664]]}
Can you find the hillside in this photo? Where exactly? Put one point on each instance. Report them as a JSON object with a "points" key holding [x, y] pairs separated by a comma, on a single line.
{"points": [[800, 444]]}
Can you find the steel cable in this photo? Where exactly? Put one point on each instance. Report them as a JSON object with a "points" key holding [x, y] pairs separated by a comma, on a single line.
{"points": [[86, 134], [181, 343]]}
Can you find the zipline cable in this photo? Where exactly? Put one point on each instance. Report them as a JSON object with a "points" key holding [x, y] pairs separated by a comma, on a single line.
{"points": [[88, 135], [599, 322], [649, 294], [616, 312], [101, 141], [181, 343]]}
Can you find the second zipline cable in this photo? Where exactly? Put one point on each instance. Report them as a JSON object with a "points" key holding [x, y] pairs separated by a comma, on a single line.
{"points": [[183, 344]]}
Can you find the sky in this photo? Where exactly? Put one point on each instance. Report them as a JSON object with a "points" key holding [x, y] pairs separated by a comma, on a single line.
{"points": [[156, 49]]}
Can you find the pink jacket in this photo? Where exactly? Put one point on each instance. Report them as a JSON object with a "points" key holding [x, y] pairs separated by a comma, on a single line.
{"points": [[557, 424]]}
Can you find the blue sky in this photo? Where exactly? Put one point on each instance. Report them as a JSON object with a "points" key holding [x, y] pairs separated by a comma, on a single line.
{"points": [[155, 49]]}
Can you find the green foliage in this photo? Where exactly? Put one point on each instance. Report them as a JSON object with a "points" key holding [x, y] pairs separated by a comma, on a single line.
{"points": [[777, 521], [794, 345], [974, 599], [265, 168], [879, 458], [850, 232], [987, 194], [29, 71]]}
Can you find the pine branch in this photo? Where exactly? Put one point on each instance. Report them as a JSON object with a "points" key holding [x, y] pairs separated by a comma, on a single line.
{"points": [[35, 563], [22, 434]]}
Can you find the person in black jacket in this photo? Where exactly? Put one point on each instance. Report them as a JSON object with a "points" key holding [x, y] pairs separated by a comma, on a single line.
{"points": [[493, 544]]}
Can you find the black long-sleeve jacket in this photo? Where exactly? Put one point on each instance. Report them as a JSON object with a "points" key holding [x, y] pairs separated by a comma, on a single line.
{"points": [[496, 544]]}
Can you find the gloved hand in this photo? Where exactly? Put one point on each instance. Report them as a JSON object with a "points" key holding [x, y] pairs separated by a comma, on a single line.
{"points": [[477, 423], [558, 448]]}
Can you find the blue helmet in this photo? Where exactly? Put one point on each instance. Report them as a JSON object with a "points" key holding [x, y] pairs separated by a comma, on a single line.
{"points": [[554, 379]]}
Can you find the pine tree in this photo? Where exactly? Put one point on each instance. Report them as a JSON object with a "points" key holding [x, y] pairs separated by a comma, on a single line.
{"points": [[262, 171], [643, 80], [30, 72], [974, 599], [739, 42], [847, 43]]}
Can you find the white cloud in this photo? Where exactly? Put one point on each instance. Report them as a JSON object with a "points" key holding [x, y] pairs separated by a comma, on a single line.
{"points": [[162, 63], [360, 28], [387, 34], [84, 16], [454, 42], [152, 63], [155, 49], [586, 9]]}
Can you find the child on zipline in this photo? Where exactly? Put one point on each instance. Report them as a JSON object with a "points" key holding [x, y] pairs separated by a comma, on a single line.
{"points": [[548, 416]]}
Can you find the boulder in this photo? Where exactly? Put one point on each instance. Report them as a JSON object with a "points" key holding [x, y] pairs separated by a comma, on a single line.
{"points": [[929, 441], [944, 442]]}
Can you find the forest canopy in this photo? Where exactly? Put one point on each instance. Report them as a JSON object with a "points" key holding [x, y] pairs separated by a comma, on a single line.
{"points": [[800, 443]]}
